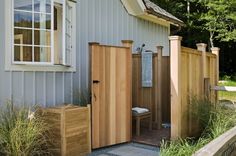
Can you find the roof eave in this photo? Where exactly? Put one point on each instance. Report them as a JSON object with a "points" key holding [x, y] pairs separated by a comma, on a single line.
{"points": [[154, 19], [172, 21], [135, 8], [138, 8]]}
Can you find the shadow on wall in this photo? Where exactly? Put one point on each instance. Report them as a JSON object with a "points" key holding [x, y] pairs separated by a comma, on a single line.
{"points": [[82, 97]]}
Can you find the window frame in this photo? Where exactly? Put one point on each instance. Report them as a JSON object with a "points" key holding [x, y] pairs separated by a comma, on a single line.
{"points": [[51, 46], [12, 65]]}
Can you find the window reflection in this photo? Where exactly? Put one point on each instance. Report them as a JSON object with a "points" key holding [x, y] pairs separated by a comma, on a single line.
{"points": [[43, 6], [25, 5], [23, 19], [42, 54], [42, 37], [23, 53], [24, 35], [42, 21]]}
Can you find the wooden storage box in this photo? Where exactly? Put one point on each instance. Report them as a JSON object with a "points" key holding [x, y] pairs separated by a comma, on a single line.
{"points": [[70, 127]]}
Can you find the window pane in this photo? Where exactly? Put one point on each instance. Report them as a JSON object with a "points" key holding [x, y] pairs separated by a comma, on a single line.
{"points": [[23, 53], [42, 37], [42, 54], [18, 53], [23, 5], [42, 21], [22, 19], [23, 36], [43, 6], [18, 39]]}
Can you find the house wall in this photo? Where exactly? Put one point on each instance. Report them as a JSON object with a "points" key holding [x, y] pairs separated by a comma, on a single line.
{"points": [[104, 21], [107, 22]]}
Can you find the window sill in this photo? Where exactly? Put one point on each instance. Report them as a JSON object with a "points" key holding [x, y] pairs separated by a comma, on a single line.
{"points": [[35, 67]]}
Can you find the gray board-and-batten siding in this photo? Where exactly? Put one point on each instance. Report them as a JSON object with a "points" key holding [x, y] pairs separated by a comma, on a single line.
{"points": [[103, 21]]}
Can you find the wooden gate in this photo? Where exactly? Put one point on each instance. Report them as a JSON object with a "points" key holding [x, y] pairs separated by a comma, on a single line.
{"points": [[111, 70]]}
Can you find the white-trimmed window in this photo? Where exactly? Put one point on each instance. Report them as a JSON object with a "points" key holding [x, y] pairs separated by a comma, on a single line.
{"points": [[43, 32]]}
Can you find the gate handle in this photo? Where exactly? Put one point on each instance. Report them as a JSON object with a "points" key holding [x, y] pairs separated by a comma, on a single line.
{"points": [[96, 81]]}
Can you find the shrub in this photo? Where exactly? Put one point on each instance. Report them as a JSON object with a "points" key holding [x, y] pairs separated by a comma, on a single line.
{"points": [[226, 77], [21, 135], [200, 110], [222, 119], [233, 78]]}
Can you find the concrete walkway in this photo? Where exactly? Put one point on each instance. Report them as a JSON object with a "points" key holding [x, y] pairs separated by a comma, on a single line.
{"points": [[130, 149]]}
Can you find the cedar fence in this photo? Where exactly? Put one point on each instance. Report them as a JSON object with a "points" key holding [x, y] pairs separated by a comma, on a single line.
{"points": [[192, 74], [187, 72]]}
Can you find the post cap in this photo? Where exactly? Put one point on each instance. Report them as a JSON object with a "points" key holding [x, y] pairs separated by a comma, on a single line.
{"points": [[94, 43], [201, 45], [215, 49], [175, 38], [127, 41]]}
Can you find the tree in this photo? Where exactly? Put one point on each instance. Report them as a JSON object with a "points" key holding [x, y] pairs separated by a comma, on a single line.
{"points": [[220, 20], [208, 21], [188, 11]]}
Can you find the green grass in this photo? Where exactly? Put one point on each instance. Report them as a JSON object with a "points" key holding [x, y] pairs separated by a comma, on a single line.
{"points": [[182, 147], [227, 95], [228, 83], [218, 121]]}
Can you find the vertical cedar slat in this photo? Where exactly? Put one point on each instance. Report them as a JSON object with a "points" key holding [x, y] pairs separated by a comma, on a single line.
{"points": [[101, 96], [155, 93], [207, 87], [190, 65], [113, 104], [94, 51], [216, 51], [159, 87], [106, 96]]}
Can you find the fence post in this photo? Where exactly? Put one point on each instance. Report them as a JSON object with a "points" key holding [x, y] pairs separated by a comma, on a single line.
{"points": [[175, 75], [216, 51], [202, 47], [159, 85], [127, 43]]}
